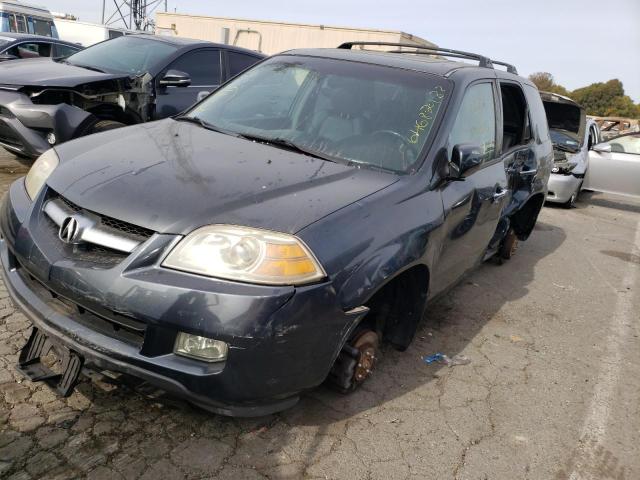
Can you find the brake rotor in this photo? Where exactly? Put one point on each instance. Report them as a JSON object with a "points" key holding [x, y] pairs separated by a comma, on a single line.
{"points": [[367, 345], [509, 245]]}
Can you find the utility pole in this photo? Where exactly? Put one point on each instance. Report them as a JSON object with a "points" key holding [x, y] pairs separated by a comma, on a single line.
{"points": [[131, 14]]}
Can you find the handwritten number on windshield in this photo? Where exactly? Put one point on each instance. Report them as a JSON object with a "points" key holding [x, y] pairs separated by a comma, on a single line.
{"points": [[426, 113]]}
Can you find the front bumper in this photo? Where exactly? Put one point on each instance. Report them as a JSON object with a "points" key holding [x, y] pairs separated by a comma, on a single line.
{"points": [[561, 187], [283, 340], [24, 125]]}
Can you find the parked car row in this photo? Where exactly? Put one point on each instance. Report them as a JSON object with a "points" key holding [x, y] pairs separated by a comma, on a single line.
{"points": [[268, 238], [582, 159]]}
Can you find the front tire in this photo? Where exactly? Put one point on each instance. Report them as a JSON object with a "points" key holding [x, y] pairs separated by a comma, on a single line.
{"points": [[571, 203], [103, 126]]}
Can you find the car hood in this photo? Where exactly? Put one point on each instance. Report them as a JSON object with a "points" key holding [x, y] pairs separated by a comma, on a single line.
{"points": [[567, 117], [44, 72], [172, 177]]}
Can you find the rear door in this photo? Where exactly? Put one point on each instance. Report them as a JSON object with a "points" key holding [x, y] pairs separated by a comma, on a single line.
{"points": [[472, 207], [204, 68], [617, 171]]}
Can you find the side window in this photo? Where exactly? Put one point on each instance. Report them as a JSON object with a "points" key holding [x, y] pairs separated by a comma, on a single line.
{"points": [[42, 27], [476, 120], [31, 50], [21, 24], [537, 114], [593, 138], [626, 144], [239, 62], [64, 50], [12, 23], [515, 117], [115, 34], [203, 66]]}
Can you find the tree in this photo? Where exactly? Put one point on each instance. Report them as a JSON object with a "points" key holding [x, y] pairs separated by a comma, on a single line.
{"points": [[545, 83], [606, 99]]}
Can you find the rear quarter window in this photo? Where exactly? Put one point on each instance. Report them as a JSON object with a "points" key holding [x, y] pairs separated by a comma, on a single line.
{"points": [[239, 62]]}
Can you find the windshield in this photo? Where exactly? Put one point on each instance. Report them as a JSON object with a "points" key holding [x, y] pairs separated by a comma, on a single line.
{"points": [[349, 112], [564, 138], [130, 54]]}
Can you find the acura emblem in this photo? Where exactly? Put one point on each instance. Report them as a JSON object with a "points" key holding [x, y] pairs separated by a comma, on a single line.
{"points": [[69, 230]]}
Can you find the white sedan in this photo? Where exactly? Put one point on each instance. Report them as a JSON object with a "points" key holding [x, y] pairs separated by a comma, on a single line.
{"points": [[614, 166]]}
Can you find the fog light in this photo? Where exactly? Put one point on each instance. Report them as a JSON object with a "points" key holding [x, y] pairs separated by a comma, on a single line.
{"points": [[201, 348], [51, 138]]}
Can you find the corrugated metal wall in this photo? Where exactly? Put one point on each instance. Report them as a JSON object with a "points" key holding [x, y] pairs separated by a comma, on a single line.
{"points": [[271, 37]]}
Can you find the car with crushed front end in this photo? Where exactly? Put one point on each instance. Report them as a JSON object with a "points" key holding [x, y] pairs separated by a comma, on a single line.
{"points": [[124, 81], [271, 237], [573, 135]]}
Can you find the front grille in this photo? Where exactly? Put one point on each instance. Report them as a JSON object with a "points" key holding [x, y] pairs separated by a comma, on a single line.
{"points": [[124, 227], [5, 112], [8, 136], [95, 254]]}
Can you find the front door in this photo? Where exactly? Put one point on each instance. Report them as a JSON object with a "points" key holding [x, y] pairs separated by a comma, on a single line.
{"points": [[617, 171], [472, 207], [203, 66]]}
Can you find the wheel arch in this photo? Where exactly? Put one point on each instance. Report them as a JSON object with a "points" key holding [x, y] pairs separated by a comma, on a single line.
{"points": [[525, 218], [397, 306]]}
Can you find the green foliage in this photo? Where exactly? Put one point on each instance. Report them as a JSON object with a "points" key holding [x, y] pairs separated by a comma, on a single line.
{"points": [[606, 99], [545, 83]]}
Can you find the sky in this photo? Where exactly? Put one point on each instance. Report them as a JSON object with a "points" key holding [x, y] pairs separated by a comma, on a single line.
{"points": [[578, 41]]}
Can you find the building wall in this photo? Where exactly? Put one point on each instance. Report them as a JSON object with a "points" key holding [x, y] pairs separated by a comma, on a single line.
{"points": [[272, 37]]}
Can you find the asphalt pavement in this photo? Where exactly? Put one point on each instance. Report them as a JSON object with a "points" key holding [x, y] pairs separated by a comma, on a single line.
{"points": [[552, 390]]}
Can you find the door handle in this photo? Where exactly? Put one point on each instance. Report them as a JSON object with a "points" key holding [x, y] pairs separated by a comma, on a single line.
{"points": [[499, 194]]}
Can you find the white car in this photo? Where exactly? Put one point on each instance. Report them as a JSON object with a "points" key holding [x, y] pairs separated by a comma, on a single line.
{"points": [[573, 135], [614, 166]]}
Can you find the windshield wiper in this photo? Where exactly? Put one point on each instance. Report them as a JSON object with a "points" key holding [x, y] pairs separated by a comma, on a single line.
{"points": [[204, 124], [88, 67], [288, 145]]}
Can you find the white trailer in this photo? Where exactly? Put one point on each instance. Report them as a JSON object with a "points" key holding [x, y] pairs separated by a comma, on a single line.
{"points": [[86, 33]]}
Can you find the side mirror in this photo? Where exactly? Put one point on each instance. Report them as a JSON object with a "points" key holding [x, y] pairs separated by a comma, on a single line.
{"points": [[7, 56], [466, 158], [175, 78], [604, 147]]}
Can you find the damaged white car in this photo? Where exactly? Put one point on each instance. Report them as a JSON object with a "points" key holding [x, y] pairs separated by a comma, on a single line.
{"points": [[573, 135]]}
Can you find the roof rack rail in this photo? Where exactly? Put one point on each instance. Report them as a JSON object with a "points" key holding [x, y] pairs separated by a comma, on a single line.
{"points": [[483, 61]]}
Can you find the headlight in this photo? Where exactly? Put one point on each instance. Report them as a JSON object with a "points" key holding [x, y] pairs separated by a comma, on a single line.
{"points": [[245, 254], [564, 168], [40, 171]]}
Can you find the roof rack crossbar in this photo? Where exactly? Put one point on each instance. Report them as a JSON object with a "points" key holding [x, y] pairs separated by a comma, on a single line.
{"points": [[510, 68], [423, 49]]}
